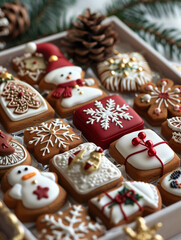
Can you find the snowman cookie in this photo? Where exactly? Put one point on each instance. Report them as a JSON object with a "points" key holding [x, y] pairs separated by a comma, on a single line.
{"points": [[21, 105], [12, 153], [50, 138], [170, 187], [30, 68], [70, 89], [32, 192]]}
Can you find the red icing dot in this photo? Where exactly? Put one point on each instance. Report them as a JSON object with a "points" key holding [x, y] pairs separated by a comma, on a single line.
{"points": [[100, 150], [20, 94], [151, 152], [142, 135], [149, 143], [87, 166], [34, 62], [135, 141], [163, 95]]}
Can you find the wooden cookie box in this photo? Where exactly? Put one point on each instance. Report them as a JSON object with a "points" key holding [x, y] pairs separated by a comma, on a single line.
{"points": [[129, 41]]}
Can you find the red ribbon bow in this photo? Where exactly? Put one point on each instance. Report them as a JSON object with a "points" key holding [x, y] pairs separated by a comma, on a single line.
{"points": [[121, 199]]}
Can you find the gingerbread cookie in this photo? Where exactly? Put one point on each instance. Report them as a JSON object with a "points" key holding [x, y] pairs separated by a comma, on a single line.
{"points": [[12, 153], [50, 138], [125, 203], [124, 72], [157, 102], [104, 121], [71, 90], [30, 67], [171, 130], [170, 187], [74, 223], [31, 192], [145, 155], [21, 105], [84, 171]]}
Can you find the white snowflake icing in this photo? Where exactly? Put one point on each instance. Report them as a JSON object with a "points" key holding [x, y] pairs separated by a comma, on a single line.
{"points": [[175, 124], [15, 158], [46, 131], [112, 112], [68, 231]]}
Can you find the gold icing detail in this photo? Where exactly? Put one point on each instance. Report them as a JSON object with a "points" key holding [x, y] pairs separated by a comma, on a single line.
{"points": [[53, 58], [94, 160], [129, 64], [77, 158], [112, 73], [122, 65], [139, 69], [5, 75], [125, 73], [133, 59], [142, 231], [111, 61]]}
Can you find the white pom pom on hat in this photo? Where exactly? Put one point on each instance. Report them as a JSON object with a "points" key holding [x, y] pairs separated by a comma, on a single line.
{"points": [[30, 47]]}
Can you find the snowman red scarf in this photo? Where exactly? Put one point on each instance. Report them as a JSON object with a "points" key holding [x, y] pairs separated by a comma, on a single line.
{"points": [[65, 89]]}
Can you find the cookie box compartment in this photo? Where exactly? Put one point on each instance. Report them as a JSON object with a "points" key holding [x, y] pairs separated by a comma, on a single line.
{"points": [[129, 41]]}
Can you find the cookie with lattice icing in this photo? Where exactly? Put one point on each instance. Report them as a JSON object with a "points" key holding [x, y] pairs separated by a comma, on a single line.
{"points": [[31, 192], [158, 101], [146, 155], [74, 223], [170, 187], [171, 130], [30, 68], [124, 72], [12, 153], [50, 138], [85, 171], [125, 203], [21, 105]]}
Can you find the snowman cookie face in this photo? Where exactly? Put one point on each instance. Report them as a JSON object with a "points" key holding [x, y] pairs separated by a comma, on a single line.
{"points": [[64, 75]]}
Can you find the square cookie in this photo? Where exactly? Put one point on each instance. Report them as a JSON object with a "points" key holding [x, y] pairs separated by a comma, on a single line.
{"points": [[74, 223], [84, 171], [50, 138], [104, 121], [145, 155], [125, 203]]}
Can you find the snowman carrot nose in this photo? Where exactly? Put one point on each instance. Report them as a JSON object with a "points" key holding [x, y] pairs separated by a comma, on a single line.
{"points": [[68, 77], [28, 176]]}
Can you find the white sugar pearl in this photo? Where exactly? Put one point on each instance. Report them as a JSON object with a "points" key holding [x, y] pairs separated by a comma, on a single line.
{"points": [[176, 107], [163, 83], [176, 90], [157, 110], [149, 87]]}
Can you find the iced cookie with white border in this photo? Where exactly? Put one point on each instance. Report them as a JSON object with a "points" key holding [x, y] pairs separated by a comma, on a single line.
{"points": [[170, 187], [104, 121], [12, 153], [124, 72], [146, 156], [125, 203], [85, 171], [31, 192], [171, 130], [157, 102], [50, 138], [74, 223], [21, 105], [30, 68]]}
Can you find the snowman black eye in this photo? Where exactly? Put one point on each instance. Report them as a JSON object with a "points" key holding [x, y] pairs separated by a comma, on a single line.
{"points": [[70, 73], [19, 171], [25, 169], [61, 75]]}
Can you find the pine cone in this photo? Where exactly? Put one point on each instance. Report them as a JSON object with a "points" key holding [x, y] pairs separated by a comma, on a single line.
{"points": [[4, 30], [90, 41], [18, 18]]}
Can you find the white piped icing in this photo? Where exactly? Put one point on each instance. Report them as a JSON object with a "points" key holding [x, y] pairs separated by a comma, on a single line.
{"points": [[85, 183]]}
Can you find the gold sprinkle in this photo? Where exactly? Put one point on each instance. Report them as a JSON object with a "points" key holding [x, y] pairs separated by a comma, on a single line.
{"points": [[140, 69], [34, 181], [129, 64], [76, 86], [116, 52], [111, 61], [125, 73], [123, 60], [133, 59], [112, 73], [122, 65], [81, 92]]}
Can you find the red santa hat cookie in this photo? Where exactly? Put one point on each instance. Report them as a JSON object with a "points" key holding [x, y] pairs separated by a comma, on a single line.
{"points": [[58, 65]]}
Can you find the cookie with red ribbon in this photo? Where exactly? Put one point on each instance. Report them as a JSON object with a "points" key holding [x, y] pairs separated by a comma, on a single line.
{"points": [[70, 89], [12, 153], [85, 171], [125, 203], [146, 155], [157, 102], [170, 187], [32, 192]]}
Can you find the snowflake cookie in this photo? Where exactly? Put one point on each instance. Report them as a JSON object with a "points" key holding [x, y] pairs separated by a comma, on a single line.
{"points": [[157, 102], [30, 68], [171, 130], [125, 203], [85, 171], [146, 156], [50, 138], [104, 121], [74, 223], [12, 153], [124, 72], [170, 187], [32, 192], [21, 105]]}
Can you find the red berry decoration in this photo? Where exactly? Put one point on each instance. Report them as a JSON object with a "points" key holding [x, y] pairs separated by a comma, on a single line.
{"points": [[135, 141], [100, 150], [149, 143], [142, 135], [5, 148], [151, 152]]}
